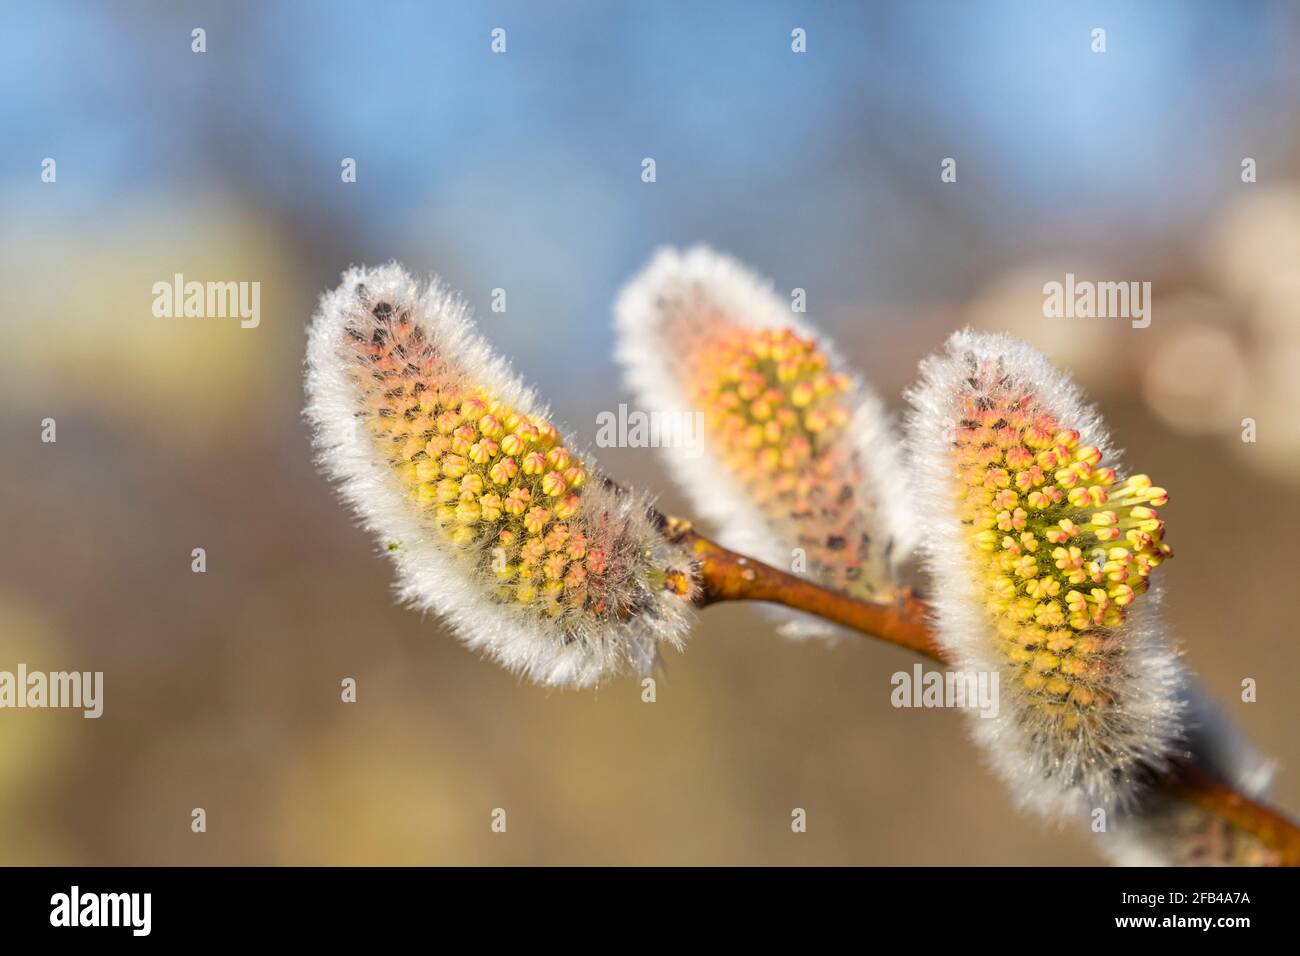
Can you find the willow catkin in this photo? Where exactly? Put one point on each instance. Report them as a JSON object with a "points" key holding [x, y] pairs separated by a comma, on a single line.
{"points": [[1042, 557], [491, 518]]}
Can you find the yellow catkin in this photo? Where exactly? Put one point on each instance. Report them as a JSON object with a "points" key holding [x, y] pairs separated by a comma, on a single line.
{"points": [[497, 483], [778, 416], [1063, 547]]}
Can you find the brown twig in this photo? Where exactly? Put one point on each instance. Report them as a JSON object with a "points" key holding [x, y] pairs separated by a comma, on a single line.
{"points": [[728, 576]]}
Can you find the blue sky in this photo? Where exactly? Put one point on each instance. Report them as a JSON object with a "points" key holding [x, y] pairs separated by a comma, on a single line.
{"points": [[522, 169]]}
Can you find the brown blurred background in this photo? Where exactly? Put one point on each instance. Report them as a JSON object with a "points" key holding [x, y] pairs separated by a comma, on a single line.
{"points": [[523, 172]]}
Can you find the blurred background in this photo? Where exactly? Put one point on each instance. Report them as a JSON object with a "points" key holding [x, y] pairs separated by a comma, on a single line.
{"points": [[522, 171]]}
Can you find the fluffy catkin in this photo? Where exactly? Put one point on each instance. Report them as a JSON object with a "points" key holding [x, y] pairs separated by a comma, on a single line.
{"points": [[1040, 556], [489, 516], [799, 465]]}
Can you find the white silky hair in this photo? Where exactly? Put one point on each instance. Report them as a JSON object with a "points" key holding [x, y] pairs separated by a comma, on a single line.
{"points": [[707, 286], [1056, 773], [1155, 832], [434, 575]]}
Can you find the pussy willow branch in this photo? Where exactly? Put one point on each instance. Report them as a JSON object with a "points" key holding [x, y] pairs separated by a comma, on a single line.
{"points": [[728, 576]]}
